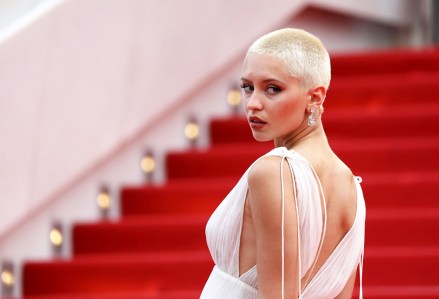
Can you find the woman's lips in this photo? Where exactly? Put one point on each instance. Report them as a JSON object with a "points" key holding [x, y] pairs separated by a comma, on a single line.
{"points": [[256, 123]]}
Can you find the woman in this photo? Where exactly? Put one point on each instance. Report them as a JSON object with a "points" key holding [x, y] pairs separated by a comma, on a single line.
{"points": [[293, 226]]}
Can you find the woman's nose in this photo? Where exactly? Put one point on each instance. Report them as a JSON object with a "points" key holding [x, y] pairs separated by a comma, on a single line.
{"points": [[253, 103]]}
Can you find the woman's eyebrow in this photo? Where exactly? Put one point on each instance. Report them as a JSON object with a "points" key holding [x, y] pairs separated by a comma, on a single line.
{"points": [[263, 81]]}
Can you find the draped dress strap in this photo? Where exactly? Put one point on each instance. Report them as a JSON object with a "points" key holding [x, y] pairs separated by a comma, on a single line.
{"points": [[343, 260], [285, 154]]}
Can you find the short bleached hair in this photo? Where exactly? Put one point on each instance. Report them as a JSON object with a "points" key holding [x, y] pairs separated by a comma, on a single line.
{"points": [[304, 54]]}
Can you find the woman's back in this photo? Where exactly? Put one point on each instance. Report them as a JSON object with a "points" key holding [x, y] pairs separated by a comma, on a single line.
{"points": [[340, 194]]}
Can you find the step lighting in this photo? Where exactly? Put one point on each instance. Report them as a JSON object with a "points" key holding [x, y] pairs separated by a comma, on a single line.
{"points": [[148, 163], [234, 99], [192, 131], [103, 200], [56, 238], [7, 278]]}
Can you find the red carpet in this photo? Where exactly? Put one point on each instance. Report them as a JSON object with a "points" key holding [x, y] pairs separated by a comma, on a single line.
{"points": [[381, 117]]}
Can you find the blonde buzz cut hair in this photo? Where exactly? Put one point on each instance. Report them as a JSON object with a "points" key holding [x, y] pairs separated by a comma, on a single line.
{"points": [[304, 54]]}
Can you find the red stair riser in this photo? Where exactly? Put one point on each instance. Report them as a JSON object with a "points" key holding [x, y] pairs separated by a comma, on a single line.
{"points": [[372, 157], [386, 62], [366, 93], [195, 294], [421, 126], [396, 268], [393, 194], [401, 227], [369, 292], [398, 227], [146, 274], [349, 124], [190, 197], [139, 236], [154, 275]]}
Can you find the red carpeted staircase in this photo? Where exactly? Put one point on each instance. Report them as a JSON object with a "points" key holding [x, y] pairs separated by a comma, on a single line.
{"points": [[382, 118]]}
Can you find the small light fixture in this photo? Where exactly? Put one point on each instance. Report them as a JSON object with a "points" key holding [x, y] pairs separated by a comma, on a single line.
{"points": [[192, 131], [234, 99], [103, 200], [56, 238], [148, 164], [7, 278]]}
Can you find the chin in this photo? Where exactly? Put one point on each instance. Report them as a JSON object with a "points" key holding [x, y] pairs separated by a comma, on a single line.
{"points": [[261, 137]]}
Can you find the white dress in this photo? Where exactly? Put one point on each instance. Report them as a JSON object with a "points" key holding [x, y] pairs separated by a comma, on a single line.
{"points": [[223, 232]]}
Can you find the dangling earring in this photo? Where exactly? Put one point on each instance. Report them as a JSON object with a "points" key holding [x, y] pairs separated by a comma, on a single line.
{"points": [[311, 118]]}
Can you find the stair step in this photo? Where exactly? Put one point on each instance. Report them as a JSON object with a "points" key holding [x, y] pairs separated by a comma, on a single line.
{"points": [[193, 197], [392, 62], [347, 123], [401, 266], [371, 92], [146, 234], [146, 273], [365, 155], [396, 227], [401, 292], [202, 196], [401, 190], [389, 154], [381, 292], [139, 295], [401, 227], [416, 121], [155, 273]]}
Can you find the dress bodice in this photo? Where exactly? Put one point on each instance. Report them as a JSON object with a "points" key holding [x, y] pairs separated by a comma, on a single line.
{"points": [[223, 233]]}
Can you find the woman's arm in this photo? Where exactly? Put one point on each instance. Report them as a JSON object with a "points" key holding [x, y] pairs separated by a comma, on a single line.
{"points": [[265, 199]]}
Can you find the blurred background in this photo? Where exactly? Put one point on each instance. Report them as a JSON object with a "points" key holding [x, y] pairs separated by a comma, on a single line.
{"points": [[117, 119]]}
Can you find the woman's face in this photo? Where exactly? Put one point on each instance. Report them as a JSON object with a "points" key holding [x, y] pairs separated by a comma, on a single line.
{"points": [[275, 102]]}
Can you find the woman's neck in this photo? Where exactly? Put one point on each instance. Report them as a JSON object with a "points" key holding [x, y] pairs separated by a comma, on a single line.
{"points": [[310, 136]]}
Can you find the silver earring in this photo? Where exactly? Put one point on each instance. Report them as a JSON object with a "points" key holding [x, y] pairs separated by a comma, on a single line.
{"points": [[311, 118]]}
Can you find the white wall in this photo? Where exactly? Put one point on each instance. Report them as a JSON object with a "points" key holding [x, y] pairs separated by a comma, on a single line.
{"points": [[91, 74], [91, 83], [12, 10]]}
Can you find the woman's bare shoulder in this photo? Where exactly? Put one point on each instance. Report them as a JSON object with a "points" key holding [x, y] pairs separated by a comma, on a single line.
{"points": [[266, 170], [264, 181]]}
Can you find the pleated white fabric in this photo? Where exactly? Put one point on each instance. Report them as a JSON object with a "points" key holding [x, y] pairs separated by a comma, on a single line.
{"points": [[223, 232]]}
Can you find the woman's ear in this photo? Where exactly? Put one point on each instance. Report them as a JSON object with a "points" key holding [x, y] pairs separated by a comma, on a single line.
{"points": [[317, 96]]}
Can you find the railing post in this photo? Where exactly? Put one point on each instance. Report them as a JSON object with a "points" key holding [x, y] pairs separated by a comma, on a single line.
{"points": [[435, 22]]}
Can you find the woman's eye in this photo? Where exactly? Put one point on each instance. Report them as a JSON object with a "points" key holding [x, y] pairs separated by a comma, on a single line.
{"points": [[273, 89], [247, 88]]}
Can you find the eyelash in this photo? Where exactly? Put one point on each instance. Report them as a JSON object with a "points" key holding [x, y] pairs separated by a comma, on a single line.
{"points": [[245, 86], [274, 89]]}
